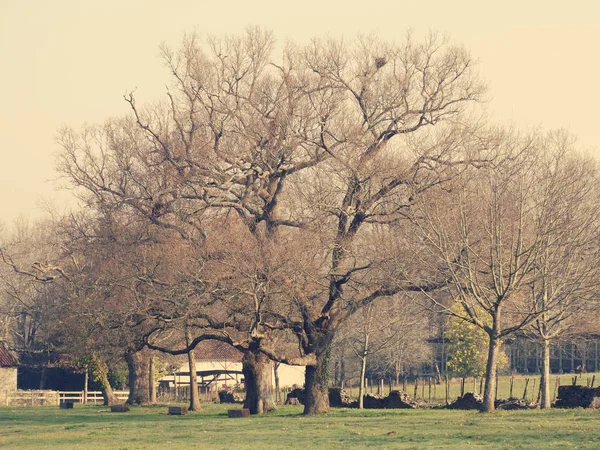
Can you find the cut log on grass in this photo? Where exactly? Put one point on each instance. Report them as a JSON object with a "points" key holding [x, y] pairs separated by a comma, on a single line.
{"points": [[178, 410], [245, 412]]}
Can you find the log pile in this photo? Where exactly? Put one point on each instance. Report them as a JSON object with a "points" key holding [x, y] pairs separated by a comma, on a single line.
{"points": [[467, 401], [578, 397]]}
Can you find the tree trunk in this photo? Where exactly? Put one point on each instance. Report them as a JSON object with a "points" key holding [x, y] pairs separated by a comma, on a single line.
{"points": [[276, 375], [194, 399], [545, 378], [152, 380], [100, 376], [107, 393], [139, 390], [343, 366], [257, 379], [316, 381], [361, 386], [85, 385], [363, 372], [489, 394], [43, 379]]}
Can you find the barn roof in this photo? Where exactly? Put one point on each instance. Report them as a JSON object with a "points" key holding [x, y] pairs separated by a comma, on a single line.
{"points": [[216, 351], [7, 358]]}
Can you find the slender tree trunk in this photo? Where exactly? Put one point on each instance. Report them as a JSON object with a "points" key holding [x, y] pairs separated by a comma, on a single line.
{"points": [[361, 386], [545, 378], [194, 399], [152, 380], [363, 372], [316, 380], [85, 385], [489, 393], [343, 366], [257, 379], [276, 375], [138, 364]]}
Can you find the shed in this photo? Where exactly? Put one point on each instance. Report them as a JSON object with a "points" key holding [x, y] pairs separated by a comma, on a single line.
{"points": [[8, 369]]}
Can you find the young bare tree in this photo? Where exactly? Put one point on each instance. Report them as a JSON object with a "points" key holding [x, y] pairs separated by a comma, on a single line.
{"points": [[488, 245], [567, 268], [380, 330]]}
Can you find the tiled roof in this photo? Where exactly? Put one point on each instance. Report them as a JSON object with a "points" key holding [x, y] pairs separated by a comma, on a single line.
{"points": [[7, 358], [216, 351]]}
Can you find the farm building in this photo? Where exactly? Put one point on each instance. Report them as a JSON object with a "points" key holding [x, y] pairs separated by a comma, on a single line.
{"points": [[219, 365], [8, 369]]}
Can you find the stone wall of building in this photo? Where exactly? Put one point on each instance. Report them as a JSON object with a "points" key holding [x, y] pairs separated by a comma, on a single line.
{"points": [[8, 379]]}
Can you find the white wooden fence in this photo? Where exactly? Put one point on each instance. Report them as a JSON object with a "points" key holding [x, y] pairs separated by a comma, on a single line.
{"points": [[30, 398], [93, 397]]}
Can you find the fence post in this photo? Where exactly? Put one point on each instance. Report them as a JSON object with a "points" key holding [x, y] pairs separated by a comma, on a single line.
{"points": [[525, 390], [512, 380], [429, 382], [416, 387]]}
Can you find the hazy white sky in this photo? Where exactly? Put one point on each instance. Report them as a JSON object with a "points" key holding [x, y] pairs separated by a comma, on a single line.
{"points": [[67, 62]]}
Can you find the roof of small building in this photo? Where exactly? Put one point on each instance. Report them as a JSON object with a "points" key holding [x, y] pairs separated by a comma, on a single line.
{"points": [[216, 351], [7, 358]]}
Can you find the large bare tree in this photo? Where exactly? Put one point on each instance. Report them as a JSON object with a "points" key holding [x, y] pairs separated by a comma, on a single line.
{"points": [[240, 135]]}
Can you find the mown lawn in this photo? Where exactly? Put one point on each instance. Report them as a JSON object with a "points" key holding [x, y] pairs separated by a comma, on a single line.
{"points": [[94, 427]]}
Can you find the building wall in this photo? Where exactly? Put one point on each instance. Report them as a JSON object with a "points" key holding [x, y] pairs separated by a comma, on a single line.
{"points": [[8, 379], [290, 376]]}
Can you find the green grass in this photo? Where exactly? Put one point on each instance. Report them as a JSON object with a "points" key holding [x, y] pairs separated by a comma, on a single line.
{"points": [[91, 427]]}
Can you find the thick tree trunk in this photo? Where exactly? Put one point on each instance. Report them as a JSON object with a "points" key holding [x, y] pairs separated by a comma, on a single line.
{"points": [[257, 379], [194, 399], [489, 394], [316, 381], [139, 390], [545, 378], [152, 380]]}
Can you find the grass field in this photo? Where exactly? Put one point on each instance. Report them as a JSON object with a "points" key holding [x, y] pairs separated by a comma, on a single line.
{"points": [[91, 427]]}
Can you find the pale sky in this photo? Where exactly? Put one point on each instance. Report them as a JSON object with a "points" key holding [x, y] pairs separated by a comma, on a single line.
{"points": [[69, 62]]}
